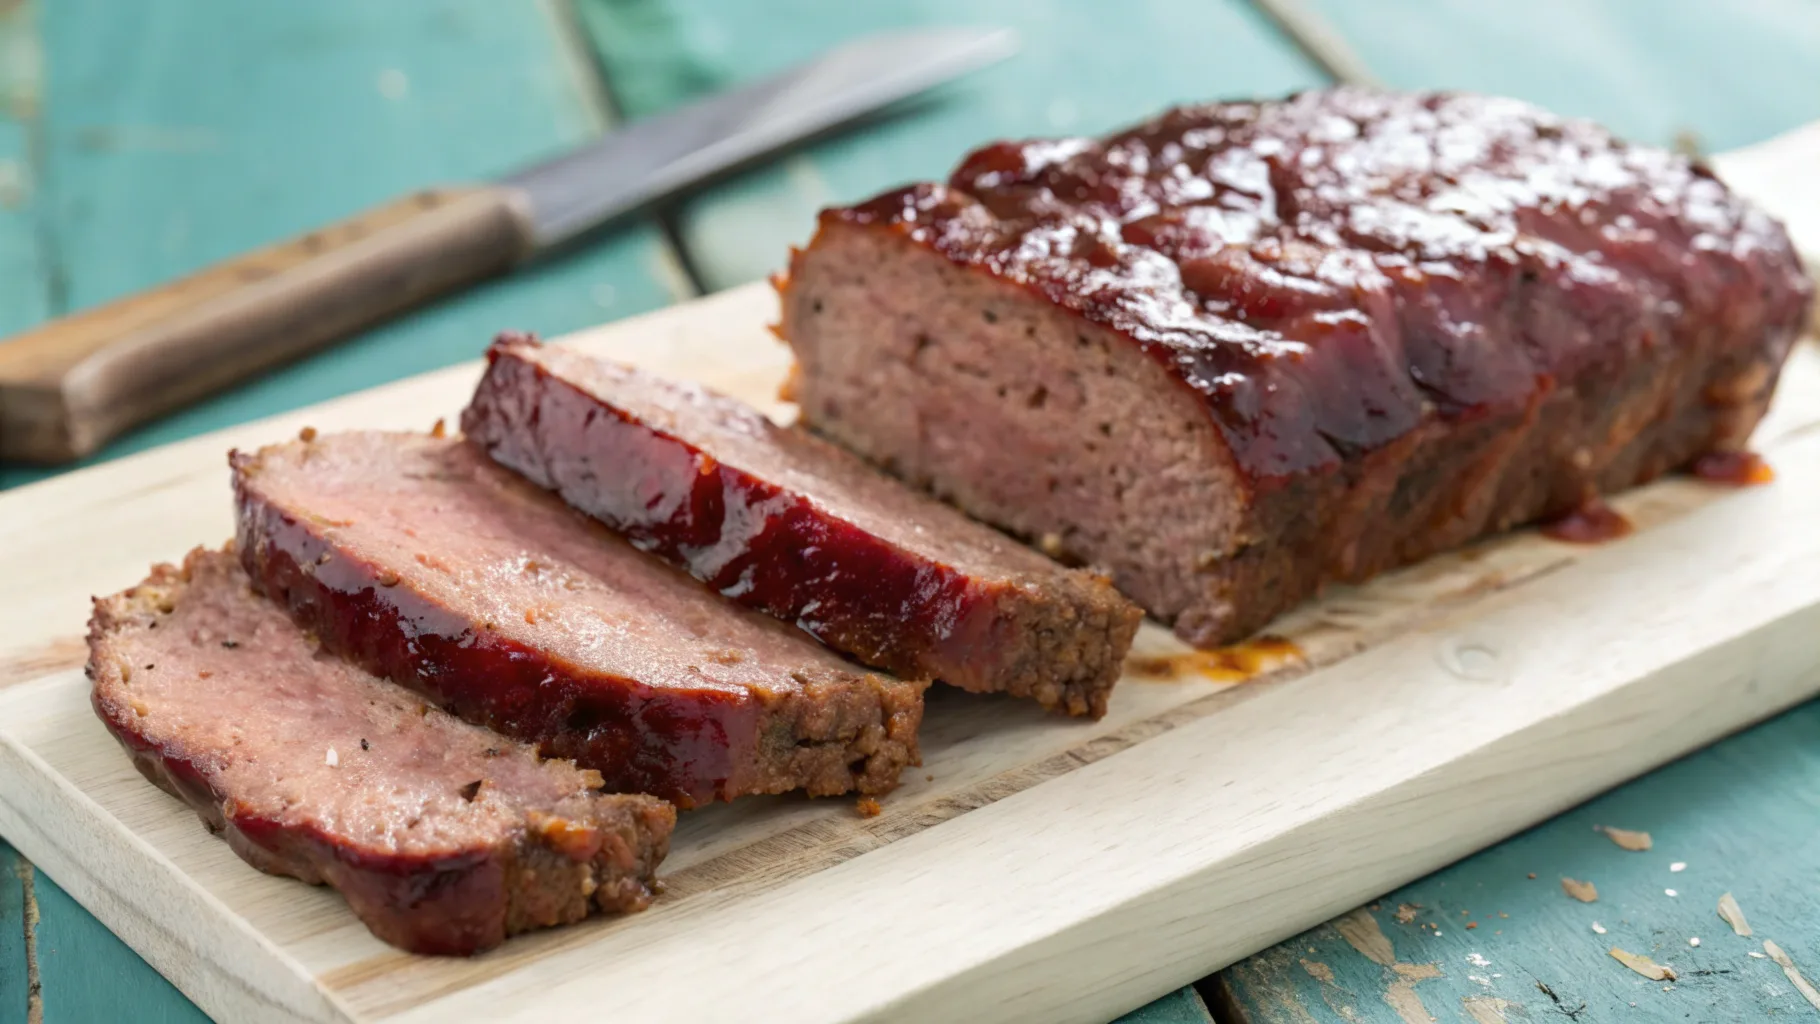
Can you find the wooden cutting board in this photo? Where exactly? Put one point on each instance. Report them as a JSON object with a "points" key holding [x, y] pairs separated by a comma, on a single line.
{"points": [[1034, 868]]}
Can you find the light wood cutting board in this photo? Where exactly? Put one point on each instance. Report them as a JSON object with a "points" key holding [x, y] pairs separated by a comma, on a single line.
{"points": [[1034, 868]]}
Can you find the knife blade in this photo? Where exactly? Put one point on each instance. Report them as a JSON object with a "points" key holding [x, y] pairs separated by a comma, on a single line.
{"points": [[69, 385], [652, 158]]}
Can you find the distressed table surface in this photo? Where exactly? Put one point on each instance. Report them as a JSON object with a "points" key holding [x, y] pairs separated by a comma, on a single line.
{"points": [[135, 146]]}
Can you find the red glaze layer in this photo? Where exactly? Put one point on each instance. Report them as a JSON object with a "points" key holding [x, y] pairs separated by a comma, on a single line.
{"points": [[1331, 272], [681, 746], [766, 516], [1595, 522], [1737, 469], [686, 740]]}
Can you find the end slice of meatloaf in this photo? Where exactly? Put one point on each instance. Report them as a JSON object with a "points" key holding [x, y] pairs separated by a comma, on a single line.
{"points": [[784, 522], [444, 837], [425, 562], [1248, 348]]}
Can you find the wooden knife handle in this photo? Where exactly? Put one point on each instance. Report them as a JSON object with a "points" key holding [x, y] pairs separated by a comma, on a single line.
{"points": [[73, 383]]}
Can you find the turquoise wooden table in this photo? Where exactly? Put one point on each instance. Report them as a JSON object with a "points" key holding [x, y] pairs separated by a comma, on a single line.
{"points": [[138, 142]]}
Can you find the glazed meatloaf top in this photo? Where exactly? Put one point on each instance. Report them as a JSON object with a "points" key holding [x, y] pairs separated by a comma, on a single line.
{"points": [[1328, 271], [838, 482], [444, 836]]}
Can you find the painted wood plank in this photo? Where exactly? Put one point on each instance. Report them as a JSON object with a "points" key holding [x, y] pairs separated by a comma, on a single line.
{"points": [[90, 976], [1732, 74], [1739, 817], [1073, 75], [162, 154], [1172, 866], [15, 976]]}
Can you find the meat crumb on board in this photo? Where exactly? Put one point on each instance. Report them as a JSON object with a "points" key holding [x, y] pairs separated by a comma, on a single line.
{"points": [[868, 807]]}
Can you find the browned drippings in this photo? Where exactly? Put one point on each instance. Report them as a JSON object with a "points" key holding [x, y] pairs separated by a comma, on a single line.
{"points": [[1595, 522], [1736, 469], [1233, 664]]}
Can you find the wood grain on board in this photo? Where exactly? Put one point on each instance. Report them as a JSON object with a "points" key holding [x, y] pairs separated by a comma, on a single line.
{"points": [[1071, 868]]}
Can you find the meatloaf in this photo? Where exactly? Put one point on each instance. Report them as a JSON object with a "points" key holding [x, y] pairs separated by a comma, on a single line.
{"points": [[426, 563], [1247, 348], [443, 837], [786, 523]]}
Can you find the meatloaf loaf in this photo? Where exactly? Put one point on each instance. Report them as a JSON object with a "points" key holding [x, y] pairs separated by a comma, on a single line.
{"points": [[443, 837], [1247, 348], [786, 523], [424, 562]]}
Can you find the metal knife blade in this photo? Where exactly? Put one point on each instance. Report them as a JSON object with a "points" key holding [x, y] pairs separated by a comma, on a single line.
{"points": [[655, 157]]}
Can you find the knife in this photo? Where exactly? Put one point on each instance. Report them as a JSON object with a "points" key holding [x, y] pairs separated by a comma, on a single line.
{"points": [[71, 384]]}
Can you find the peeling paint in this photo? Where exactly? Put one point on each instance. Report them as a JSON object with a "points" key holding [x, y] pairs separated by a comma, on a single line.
{"points": [[1401, 995], [1488, 1009], [1782, 959], [1361, 932], [1331, 992], [1264, 978], [34, 986], [21, 63]]}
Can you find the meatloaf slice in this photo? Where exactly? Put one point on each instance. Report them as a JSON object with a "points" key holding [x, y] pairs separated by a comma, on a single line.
{"points": [[786, 523], [425, 562], [1248, 348], [444, 837]]}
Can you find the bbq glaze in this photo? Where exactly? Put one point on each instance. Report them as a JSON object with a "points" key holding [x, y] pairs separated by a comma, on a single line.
{"points": [[516, 613], [785, 523], [1335, 271], [1736, 469]]}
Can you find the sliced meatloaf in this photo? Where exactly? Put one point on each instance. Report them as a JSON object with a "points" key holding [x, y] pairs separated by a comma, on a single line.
{"points": [[1247, 348], [425, 562], [444, 837], [786, 523]]}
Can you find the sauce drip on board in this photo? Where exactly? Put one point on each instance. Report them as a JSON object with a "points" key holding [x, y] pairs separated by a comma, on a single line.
{"points": [[1233, 664], [1736, 469], [1594, 522]]}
